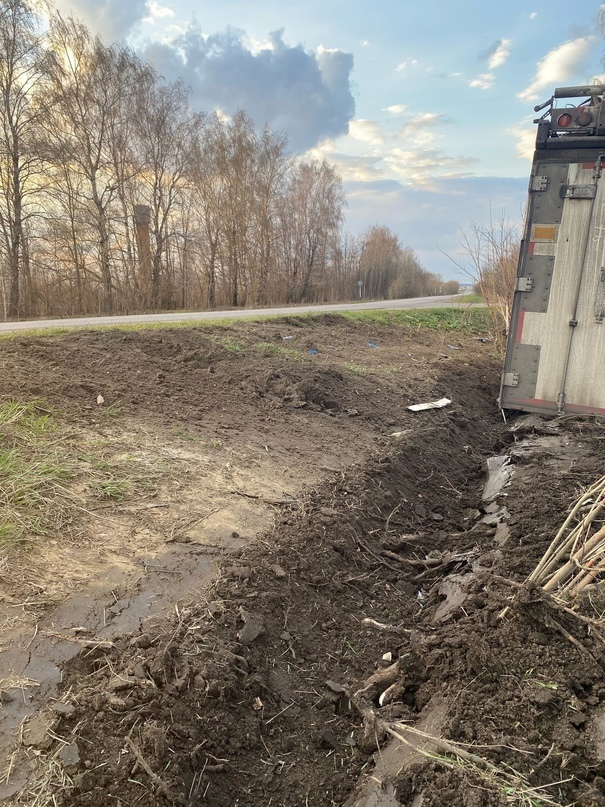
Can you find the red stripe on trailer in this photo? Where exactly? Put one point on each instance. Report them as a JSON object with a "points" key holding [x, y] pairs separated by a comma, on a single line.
{"points": [[530, 247], [542, 404], [588, 165], [519, 327], [533, 402], [583, 410]]}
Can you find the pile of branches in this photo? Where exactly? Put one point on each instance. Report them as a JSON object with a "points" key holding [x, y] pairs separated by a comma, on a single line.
{"points": [[576, 557]]}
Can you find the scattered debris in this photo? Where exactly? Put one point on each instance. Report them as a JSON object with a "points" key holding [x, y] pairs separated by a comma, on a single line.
{"points": [[499, 472], [433, 405], [373, 344]]}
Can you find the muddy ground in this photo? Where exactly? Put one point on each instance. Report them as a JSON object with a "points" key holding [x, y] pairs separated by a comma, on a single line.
{"points": [[301, 564]]}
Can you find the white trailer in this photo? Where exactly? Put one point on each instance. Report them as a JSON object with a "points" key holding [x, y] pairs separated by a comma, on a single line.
{"points": [[555, 355]]}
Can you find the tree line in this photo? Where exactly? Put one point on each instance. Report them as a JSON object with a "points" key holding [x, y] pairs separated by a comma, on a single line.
{"points": [[117, 197]]}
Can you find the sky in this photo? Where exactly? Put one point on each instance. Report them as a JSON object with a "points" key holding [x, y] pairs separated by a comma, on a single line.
{"points": [[424, 106]]}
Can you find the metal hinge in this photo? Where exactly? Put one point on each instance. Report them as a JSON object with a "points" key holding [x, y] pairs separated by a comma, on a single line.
{"points": [[525, 284], [579, 191], [510, 379], [539, 183]]}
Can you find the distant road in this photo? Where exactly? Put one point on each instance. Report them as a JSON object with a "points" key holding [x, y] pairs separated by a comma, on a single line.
{"points": [[194, 316]]}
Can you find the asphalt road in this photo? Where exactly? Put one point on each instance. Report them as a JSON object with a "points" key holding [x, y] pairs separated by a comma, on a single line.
{"points": [[194, 316]]}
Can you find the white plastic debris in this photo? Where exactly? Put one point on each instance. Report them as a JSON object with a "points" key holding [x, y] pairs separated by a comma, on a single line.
{"points": [[100, 400], [433, 405]]}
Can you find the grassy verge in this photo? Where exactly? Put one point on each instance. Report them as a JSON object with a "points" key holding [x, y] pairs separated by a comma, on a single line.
{"points": [[461, 317], [45, 481], [466, 320]]}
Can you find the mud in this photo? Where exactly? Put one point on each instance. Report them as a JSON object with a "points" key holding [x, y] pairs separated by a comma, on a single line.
{"points": [[245, 693]]}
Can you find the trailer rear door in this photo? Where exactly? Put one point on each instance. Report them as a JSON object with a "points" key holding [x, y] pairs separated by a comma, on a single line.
{"points": [[556, 345]]}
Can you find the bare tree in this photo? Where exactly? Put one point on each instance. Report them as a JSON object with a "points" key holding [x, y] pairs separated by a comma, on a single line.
{"points": [[166, 130], [94, 89], [22, 105], [492, 254], [311, 219]]}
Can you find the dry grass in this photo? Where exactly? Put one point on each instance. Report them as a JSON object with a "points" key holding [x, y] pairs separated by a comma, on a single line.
{"points": [[511, 785]]}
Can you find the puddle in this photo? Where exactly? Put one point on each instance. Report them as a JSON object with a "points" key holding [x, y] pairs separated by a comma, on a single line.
{"points": [[97, 614]]}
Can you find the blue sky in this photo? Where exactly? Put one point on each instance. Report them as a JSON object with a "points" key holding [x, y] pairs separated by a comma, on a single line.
{"points": [[425, 107]]}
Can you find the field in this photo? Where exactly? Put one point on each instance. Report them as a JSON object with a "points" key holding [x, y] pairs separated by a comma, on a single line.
{"points": [[236, 569]]}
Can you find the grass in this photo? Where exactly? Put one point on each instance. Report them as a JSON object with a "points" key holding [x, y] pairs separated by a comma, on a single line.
{"points": [[45, 480], [34, 470], [355, 369], [460, 316], [271, 349], [464, 320], [232, 345]]}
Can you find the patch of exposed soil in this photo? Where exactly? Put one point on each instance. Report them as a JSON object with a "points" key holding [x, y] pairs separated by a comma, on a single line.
{"points": [[376, 598]]}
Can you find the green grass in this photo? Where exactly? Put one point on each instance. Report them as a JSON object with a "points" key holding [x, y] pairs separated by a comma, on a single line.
{"points": [[46, 481], [355, 369], [34, 471], [271, 349], [232, 345], [465, 320], [460, 314], [472, 297]]}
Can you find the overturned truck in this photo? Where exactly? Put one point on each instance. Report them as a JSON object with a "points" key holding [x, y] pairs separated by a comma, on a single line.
{"points": [[555, 353]]}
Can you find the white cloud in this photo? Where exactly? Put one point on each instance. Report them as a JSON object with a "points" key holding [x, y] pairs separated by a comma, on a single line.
{"points": [[526, 141], [365, 43], [533, 15], [396, 109], [558, 66], [357, 169], [499, 54], [112, 19], [368, 131], [485, 81], [406, 65], [418, 125], [416, 166], [157, 12]]}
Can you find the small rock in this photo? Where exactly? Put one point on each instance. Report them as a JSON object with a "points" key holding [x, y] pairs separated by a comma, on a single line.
{"points": [[144, 641], [436, 517], [36, 733], [70, 756], [63, 708], [242, 572], [215, 608], [328, 511], [328, 739], [335, 687], [287, 637], [253, 627], [5, 697], [277, 570]]}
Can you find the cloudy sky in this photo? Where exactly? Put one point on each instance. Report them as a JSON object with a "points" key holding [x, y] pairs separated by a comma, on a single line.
{"points": [[426, 107]]}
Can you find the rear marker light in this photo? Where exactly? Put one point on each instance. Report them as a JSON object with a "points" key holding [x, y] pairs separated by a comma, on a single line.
{"points": [[564, 120], [584, 119]]}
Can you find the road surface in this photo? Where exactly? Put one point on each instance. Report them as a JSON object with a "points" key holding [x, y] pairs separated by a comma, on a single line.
{"points": [[195, 316]]}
